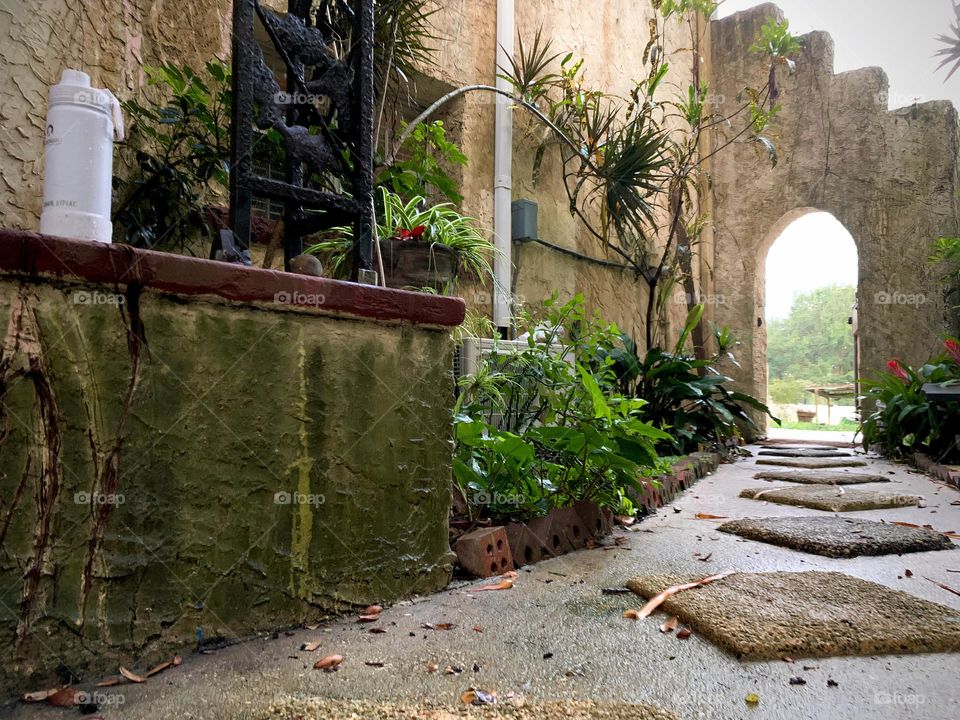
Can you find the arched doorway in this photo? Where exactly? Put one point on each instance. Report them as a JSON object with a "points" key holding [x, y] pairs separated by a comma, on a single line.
{"points": [[810, 276]]}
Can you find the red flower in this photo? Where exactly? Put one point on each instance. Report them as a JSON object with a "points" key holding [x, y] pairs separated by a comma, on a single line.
{"points": [[953, 347], [896, 368], [415, 234]]}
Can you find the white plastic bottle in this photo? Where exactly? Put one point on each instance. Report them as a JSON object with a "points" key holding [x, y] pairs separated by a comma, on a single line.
{"points": [[78, 159]]}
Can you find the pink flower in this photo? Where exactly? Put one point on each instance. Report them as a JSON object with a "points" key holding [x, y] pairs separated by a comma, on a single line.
{"points": [[896, 368], [953, 347]]}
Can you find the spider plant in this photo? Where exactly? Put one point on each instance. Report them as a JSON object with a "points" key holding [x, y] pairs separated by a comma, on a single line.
{"points": [[415, 221]]}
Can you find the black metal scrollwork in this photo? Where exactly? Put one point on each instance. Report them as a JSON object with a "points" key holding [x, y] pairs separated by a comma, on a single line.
{"points": [[324, 117]]}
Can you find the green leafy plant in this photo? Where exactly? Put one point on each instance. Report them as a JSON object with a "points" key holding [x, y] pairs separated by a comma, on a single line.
{"points": [[535, 429], [178, 152], [689, 397], [414, 220], [904, 420], [420, 170]]}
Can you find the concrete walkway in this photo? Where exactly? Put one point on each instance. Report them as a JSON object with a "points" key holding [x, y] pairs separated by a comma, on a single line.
{"points": [[556, 636]]}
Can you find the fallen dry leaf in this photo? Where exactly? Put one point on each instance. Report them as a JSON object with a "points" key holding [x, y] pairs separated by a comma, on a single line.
{"points": [[683, 633], [633, 614], [705, 558], [670, 591], [374, 663], [670, 624], [173, 662], [626, 520], [432, 667], [477, 628], [378, 630], [476, 696], [368, 618], [65, 697], [708, 516], [511, 575], [438, 626], [752, 699], [311, 646], [132, 677], [39, 695], [505, 585], [942, 585], [110, 681], [908, 572], [330, 663], [372, 610]]}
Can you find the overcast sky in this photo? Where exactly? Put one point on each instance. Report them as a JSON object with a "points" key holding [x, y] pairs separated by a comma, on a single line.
{"points": [[897, 35]]}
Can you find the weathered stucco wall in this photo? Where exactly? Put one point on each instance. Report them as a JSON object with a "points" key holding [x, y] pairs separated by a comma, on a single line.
{"points": [[611, 38], [889, 176], [110, 40], [169, 464]]}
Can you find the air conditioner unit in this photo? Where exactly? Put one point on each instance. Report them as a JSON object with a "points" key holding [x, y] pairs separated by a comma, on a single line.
{"points": [[472, 351]]}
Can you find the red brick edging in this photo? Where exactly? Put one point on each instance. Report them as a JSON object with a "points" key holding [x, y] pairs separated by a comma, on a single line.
{"points": [[937, 471]]}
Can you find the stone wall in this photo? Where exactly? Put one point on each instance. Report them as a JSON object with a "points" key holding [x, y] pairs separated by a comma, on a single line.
{"points": [[889, 176], [174, 460]]}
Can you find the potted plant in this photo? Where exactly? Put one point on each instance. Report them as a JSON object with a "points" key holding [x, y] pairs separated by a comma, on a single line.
{"points": [[423, 246]]}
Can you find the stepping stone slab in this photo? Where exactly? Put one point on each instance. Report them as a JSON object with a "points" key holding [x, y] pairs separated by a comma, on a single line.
{"points": [[820, 478], [812, 463], [805, 453], [838, 537], [322, 709], [767, 616], [831, 499], [778, 446]]}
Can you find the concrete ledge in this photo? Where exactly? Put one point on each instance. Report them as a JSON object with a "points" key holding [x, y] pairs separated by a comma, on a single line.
{"points": [[38, 255]]}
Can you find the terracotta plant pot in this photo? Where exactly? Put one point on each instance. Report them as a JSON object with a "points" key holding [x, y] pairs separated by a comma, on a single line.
{"points": [[412, 264], [806, 416]]}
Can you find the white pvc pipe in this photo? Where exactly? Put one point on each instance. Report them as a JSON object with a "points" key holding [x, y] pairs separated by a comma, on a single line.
{"points": [[503, 171]]}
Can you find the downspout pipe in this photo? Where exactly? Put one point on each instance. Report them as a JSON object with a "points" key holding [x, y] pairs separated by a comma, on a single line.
{"points": [[503, 172]]}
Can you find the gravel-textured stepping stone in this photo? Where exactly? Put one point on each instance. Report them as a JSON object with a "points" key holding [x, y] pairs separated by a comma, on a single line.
{"points": [[831, 499], [778, 446], [768, 616], [812, 463], [324, 709], [834, 453], [820, 478], [838, 537]]}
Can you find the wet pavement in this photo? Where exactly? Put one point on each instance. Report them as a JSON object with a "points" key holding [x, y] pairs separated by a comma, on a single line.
{"points": [[557, 636]]}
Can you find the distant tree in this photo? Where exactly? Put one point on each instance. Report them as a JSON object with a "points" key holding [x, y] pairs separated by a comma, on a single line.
{"points": [[813, 345]]}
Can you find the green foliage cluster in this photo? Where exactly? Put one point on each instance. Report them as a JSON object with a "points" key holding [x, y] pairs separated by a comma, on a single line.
{"points": [[416, 220], [813, 345], [538, 429], [179, 153], [421, 169], [905, 421]]}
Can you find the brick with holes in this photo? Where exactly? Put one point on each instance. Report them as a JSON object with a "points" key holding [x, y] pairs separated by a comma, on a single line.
{"points": [[484, 552]]}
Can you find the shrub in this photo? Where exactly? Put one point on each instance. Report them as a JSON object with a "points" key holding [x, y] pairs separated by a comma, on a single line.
{"points": [[905, 421]]}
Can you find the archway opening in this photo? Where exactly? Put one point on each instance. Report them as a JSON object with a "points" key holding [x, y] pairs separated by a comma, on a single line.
{"points": [[811, 279]]}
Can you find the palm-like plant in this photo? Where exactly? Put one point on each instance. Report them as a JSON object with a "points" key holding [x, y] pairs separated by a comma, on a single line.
{"points": [[951, 53]]}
